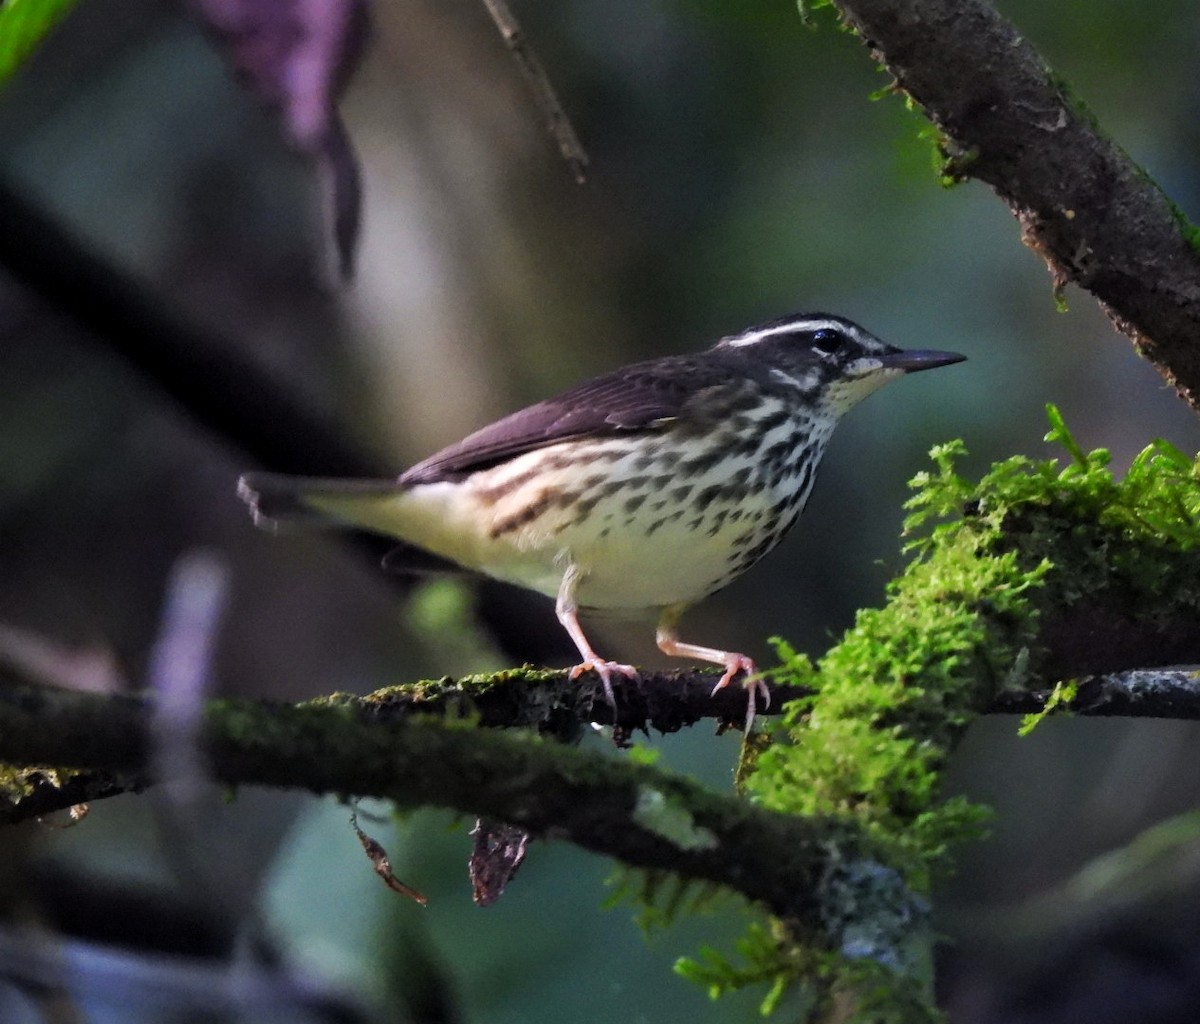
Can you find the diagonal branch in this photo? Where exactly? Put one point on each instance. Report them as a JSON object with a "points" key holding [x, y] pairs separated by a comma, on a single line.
{"points": [[1095, 216], [557, 122]]}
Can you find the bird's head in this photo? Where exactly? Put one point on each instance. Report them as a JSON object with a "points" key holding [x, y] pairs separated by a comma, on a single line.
{"points": [[831, 360]]}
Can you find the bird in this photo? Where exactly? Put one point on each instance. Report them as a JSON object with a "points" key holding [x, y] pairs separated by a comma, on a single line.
{"points": [[648, 488]]}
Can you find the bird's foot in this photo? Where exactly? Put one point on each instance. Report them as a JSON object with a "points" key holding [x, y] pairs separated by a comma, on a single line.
{"points": [[755, 687], [605, 670]]}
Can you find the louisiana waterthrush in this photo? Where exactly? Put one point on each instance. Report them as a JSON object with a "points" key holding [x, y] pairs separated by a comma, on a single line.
{"points": [[650, 487]]}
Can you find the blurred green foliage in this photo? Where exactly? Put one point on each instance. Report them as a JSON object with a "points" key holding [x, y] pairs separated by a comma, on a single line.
{"points": [[23, 25]]}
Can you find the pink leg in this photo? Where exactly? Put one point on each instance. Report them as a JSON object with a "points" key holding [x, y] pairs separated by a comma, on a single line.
{"points": [[670, 644], [568, 615]]}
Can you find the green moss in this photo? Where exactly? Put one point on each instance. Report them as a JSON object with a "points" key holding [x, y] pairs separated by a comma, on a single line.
{"points": [[1189, 231], [766, 957], [1061, 696], [661, 897], [464, 687], [831, 986], [990, 562], [1073, 101], [893, 696], [339, 698], [953, 163]]}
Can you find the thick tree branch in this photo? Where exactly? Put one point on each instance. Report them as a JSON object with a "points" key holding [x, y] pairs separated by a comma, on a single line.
{"points": [[637, 814], [543, 699], [1090, 211], [664, 701], [549, 698]]}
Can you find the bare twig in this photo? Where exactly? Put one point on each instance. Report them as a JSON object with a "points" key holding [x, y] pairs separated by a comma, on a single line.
{"points": [[557, 122]]}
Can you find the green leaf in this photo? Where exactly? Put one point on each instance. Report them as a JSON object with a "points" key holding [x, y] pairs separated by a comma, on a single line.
{"points": [[23, 25]]}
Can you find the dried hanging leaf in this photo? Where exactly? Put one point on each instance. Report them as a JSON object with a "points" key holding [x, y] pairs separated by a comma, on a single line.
{"points": [[383, 866], [496, 854]]}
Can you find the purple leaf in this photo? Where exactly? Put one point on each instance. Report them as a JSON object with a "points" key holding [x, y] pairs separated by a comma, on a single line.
{"points": [[297, 56]]}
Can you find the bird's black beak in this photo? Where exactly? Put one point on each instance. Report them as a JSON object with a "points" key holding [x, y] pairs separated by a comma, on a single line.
{"points": [[912, 360]]}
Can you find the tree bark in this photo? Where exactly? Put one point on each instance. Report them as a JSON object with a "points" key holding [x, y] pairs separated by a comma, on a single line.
{"points": [[1097, 218]]}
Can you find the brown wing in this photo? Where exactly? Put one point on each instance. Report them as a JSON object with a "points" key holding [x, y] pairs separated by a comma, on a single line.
{"points": [[641, 397]]}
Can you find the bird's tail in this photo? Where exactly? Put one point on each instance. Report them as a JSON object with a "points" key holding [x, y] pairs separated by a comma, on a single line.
{"points": [[276, 499]]}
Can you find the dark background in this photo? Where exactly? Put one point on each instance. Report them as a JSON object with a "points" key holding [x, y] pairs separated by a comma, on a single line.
{"points": [[740, 171]]}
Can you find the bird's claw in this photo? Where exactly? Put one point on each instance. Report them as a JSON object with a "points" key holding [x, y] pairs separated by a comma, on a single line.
{"points": [[734, 663], [755, 686], [605, 670]]}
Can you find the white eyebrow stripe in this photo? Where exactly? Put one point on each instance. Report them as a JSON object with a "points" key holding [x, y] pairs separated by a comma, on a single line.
{"points": [[753, 337]]}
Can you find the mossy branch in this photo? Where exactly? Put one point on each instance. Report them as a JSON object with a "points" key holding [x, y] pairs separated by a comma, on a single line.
{"points": [[519, 698], [1037, 573], [1050, 574], [1006, 119], [633, 812], [1035, 570]]}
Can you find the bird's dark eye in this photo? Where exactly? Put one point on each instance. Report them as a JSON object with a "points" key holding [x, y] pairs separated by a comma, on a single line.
{"points": [[827, 342]]}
